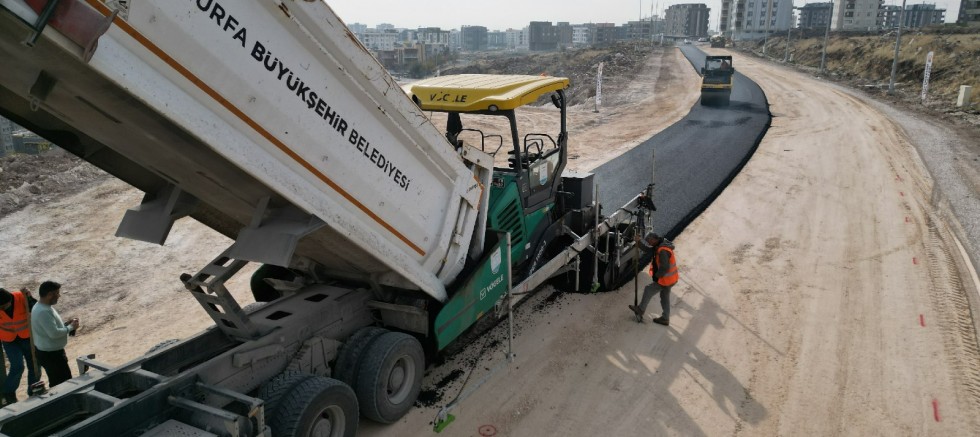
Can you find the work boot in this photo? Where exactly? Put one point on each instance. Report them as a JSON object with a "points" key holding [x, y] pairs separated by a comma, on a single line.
{"points": [[637, 315], [9, 398], [662, 321]]}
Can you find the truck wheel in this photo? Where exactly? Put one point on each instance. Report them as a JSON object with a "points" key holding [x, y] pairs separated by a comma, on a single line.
{"points": [[272, 392], [391, 377], [317, 407], [263, 292], [345, 369]]}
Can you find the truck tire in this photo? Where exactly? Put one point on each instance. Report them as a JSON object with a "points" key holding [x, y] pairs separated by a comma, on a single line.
{"points": [[346, 367], [262, 291], [391, 377], [316, 407], [273, 391]]}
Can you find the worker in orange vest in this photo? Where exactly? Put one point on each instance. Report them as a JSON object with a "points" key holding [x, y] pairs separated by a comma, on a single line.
{"points": [[663, 270], [15, 337]]}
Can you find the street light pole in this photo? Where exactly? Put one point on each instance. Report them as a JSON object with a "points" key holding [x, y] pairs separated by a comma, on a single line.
{"points": [[789, 31], [898, 43], [765, 40], [826, 35], [788, 36]]}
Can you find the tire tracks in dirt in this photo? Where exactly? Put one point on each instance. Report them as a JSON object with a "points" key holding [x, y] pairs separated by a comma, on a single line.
{"points": [[957, 321]]}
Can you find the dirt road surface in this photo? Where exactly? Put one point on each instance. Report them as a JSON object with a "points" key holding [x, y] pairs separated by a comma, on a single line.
{"points": [[820, 295]]}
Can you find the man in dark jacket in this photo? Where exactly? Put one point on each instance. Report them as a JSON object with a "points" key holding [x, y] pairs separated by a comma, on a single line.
{"points": [[663, 270]]}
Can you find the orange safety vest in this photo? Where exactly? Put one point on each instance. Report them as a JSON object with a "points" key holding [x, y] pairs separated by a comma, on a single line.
{"points": [[671, 277], [11, 328]]}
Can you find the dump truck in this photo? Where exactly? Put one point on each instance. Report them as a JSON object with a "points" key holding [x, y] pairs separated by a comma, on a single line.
{"points": [[717, 41], [382, 238], [717, 78]]}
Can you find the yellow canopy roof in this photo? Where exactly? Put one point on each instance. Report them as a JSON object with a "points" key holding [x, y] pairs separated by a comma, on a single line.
{"points": [[478, 92]]}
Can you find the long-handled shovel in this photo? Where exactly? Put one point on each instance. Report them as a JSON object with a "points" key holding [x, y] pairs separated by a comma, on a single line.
{"points": [[3, 372], [636, 277]]}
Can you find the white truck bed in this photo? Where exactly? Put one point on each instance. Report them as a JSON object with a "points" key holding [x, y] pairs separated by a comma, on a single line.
{"points": [[264, 120]]}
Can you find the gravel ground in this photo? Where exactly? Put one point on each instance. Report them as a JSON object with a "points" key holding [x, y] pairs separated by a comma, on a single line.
{"points": [[952, 155]]}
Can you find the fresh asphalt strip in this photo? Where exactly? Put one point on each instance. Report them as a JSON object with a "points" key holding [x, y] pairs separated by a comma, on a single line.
{"points": [[696, 158]]}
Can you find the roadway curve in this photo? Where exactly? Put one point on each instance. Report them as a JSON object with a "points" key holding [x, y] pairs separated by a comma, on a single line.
{"points": [[696, 157]]}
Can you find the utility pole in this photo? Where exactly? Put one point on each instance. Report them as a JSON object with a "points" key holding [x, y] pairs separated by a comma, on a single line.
{"points": [[826, 36], [765, 40], [898, 44], [788, 36], [789, 30]]}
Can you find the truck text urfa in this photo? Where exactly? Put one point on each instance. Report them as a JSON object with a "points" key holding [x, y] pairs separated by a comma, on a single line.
{"points": [[382, 237]]}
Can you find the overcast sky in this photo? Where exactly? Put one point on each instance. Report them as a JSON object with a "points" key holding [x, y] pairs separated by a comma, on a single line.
{"points": [[503, 14]]}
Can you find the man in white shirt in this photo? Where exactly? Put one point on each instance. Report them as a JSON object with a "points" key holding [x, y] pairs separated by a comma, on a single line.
{"points": [[51, 334]]}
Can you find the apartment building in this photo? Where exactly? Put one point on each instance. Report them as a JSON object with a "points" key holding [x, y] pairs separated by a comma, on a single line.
{"points": [[747, 19], [542, 35], [644, 30], [432, 35], [377, 40], [888, 16], [496, 39], [817, 15], [474, 38], [582, 34], [856, 15], [923, 15], [517, 38], [689, 19], [564, 34], [969, 12], [6, 136], [605, 34]]}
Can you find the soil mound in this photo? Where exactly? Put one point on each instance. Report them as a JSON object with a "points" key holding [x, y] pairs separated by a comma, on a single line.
{"points": [[30, 179]]}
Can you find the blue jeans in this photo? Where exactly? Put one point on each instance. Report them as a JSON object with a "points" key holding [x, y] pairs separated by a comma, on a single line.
{"points": [[652, 289], [19, 351]]}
